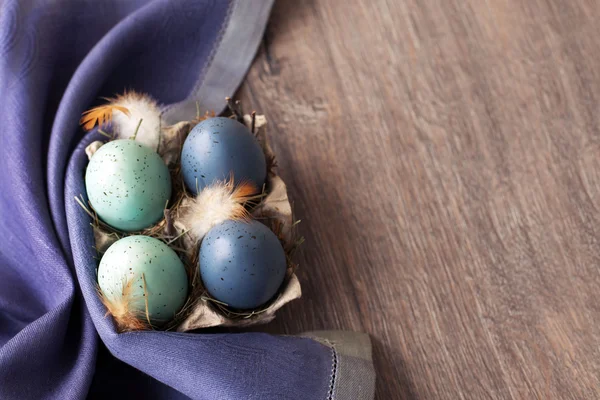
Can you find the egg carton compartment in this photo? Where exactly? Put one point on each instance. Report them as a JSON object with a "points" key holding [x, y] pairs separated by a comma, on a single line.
{"points": [[271, 207]]}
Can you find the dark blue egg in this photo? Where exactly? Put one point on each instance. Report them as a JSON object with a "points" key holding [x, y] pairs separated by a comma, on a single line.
{"points": [[242, 263], [217, 147]]}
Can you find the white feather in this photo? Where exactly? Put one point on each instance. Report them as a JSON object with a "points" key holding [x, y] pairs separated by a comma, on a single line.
{"points": [[140, 107], [214, 205]]}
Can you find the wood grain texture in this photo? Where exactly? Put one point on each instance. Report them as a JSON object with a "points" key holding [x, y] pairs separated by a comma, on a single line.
{"points": [[444, 159]]}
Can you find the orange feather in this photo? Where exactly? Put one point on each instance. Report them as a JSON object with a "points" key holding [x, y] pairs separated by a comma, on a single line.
{"points": [[123, 308], [243, 189], [100, 115]]}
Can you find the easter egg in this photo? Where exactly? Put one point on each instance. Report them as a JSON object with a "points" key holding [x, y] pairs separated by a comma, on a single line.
{"points": [[137, 269], [218, 147], [242, 263], [128, 185]]}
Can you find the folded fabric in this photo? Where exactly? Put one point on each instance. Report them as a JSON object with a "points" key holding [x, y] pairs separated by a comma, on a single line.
{"points": [[56, 59]]}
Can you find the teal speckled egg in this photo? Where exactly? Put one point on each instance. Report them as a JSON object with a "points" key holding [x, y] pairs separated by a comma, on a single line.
{"points": [[128, 185], [166, 280]]}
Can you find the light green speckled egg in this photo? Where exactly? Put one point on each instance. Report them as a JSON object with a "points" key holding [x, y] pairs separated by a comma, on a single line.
{"points": [[139, 258], [128, 185]]}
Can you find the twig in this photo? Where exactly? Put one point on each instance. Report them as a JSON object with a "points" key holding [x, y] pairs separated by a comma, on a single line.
{"points": [[159, 133], [177, 237], [214, 300], [234, 108], [136, 129], [100, 131], [169, 227], [84, 207]]}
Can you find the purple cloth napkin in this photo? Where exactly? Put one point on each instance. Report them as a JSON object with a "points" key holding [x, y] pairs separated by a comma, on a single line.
{"points": [[56, 59]]}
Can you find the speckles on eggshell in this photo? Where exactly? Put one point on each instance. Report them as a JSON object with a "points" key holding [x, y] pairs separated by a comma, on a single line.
{"points": [[128, 195], [165, 275], [206, 159], [255, 274]]}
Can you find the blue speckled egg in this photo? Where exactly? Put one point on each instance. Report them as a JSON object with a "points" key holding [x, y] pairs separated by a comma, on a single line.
{"points": [[217, 147], [128, 185], [166, 279], [242, 264]]}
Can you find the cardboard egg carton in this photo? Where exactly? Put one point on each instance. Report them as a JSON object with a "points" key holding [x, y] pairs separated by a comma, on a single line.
{"points": [[273, 209]]}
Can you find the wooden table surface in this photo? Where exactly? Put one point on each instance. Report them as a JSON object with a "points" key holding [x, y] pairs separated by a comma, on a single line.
{"points": [[444, 159]]}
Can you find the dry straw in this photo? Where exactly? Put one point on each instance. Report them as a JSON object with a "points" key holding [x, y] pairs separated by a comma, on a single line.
{"points": [[187, 219]]}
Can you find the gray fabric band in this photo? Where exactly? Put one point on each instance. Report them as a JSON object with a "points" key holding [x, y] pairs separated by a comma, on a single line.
{"points": [[353, 374], [231, 59]]}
